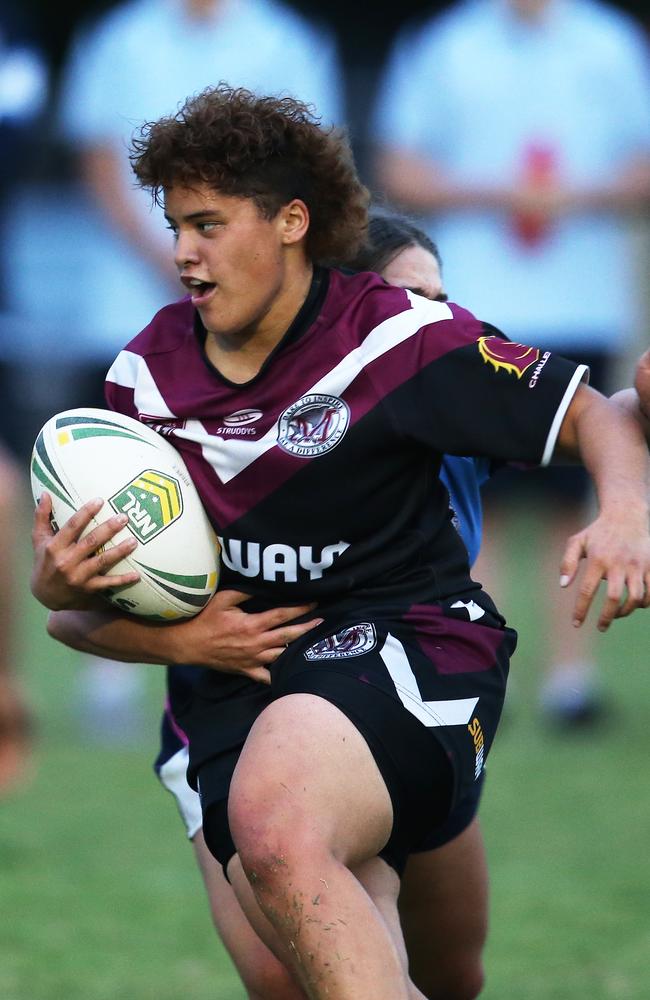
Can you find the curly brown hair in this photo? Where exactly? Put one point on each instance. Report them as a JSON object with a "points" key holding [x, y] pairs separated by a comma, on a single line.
{"points": [[269, 149]]}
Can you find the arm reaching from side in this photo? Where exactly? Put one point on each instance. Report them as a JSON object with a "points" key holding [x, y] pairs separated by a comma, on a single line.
{"points": [[616, 545]]}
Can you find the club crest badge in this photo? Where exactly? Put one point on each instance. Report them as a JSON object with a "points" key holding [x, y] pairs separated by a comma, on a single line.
{"points": [[313, 425], [505, 355], [351, 641]]}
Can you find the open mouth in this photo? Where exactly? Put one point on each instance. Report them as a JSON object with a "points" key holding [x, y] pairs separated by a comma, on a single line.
{"points": [[199, 290]]}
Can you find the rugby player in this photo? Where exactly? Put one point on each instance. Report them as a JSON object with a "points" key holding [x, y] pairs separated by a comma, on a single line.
{"points": [[385, 705], [406, 257]]}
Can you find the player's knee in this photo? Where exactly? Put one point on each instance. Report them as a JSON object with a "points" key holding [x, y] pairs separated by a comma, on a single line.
{"points": [[273, 849], [262, 852], [262, 831]]}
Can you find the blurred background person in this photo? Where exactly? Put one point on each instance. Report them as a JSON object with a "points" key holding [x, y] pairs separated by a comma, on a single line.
{"points": [[15, 726], [133, 64], [23, 91], [520, 131]]}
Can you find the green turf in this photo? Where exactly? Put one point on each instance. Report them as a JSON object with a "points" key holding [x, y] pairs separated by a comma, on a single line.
{"points": [[101, 900]]}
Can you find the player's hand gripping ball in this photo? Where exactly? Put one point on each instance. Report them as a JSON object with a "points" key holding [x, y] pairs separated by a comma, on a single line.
{"points": [[85, 453]]}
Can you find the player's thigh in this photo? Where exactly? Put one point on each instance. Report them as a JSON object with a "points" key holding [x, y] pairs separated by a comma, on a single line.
{"points": [[443, 907], [305, 766]]}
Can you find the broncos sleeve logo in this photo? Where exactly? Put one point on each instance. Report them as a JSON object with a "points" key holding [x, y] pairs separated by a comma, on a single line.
{"points": [[513, 358]]}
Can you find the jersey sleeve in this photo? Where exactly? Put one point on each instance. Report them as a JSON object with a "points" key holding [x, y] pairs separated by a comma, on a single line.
{"points": [[121, 380], [475, 393]]}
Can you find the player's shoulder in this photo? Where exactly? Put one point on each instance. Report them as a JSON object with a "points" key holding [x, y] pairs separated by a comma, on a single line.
{"points": [[126, 15], [103, 38], [126, 24], [171, 329], [363, 307], [358, 302], [441, 28], [601, 14], [277, 17], [605, 34]]}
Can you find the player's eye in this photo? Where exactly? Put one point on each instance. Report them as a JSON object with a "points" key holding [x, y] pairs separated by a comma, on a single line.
{"points": [[173, 230], [206, 227]]}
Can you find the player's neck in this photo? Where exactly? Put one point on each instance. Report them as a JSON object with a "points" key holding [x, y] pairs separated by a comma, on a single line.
{"points": [[239, 355]]}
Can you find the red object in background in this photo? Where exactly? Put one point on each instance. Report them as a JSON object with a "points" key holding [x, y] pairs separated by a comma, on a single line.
{"points": [[538, 170]]}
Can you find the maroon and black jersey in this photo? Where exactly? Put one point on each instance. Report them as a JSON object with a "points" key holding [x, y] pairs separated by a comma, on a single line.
{"points": [[320, 474]]}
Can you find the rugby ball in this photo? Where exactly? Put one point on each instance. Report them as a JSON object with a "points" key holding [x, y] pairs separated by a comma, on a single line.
{"points": [[86, 453]]}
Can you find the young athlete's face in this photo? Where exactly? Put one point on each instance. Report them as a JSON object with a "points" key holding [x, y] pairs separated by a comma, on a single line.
{"points": [[416, 269], [234, 262]]}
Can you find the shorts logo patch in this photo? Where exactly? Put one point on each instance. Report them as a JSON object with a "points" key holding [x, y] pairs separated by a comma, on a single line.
{"points": [[313, 425], [505, 355], [352, 641]]}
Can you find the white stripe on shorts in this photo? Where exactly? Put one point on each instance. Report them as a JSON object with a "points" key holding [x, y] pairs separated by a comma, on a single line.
{"points": [[452, 712], [173, 777]]}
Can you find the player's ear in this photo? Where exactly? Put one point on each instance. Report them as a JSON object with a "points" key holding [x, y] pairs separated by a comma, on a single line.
{"points": [[294, 221]]}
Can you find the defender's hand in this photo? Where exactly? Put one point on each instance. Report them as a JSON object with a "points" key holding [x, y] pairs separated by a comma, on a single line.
{"points": [[70, 571], [616, 550]]}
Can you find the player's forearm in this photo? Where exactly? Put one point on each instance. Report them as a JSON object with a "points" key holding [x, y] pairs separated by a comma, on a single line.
{"points": [[119, 637], [628, 401], [418, 185], [626, 193], [612, 446]]}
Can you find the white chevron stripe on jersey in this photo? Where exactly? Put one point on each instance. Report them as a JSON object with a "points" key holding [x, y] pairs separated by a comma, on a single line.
{"points": [[131, 372], [453, 712], [230, 456]]}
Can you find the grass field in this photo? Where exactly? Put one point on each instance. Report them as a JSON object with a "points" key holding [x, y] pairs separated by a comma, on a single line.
{"points": [[100, 898]]}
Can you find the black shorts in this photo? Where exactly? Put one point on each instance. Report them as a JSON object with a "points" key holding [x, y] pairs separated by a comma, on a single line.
{"points": [[173, 758], [423, 683], [459, 819], [553, 484]]}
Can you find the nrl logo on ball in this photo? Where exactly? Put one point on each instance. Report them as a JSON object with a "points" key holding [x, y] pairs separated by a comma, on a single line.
{"points": [[151, 502]]}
